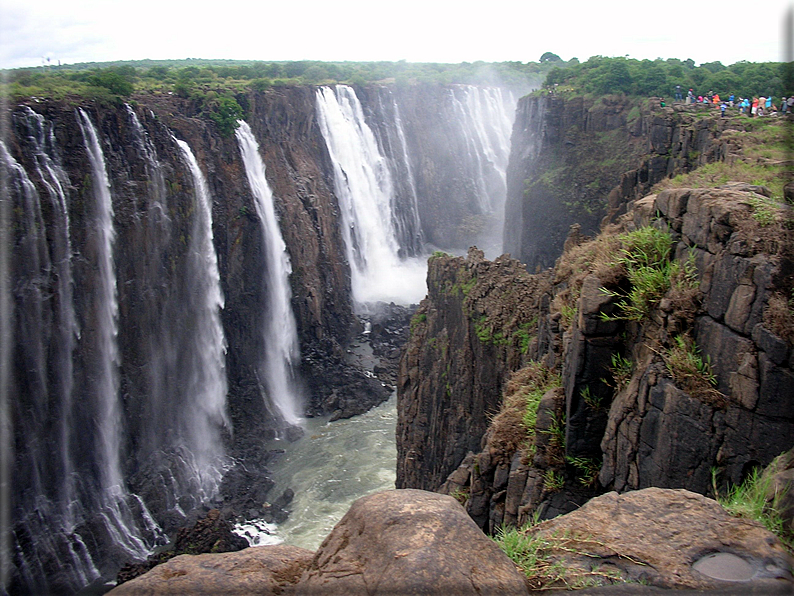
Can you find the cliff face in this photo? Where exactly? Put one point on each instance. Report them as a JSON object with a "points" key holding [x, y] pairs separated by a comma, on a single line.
{"points": [[579, 160], [466, 335], [121, 411], [631, 418]]}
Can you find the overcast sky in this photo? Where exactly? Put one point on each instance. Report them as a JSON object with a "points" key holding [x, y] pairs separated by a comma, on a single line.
{"points": [[413, 30]]}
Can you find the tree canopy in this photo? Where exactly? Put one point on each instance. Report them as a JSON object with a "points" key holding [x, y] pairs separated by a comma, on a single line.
{"points": [[659, 78]]}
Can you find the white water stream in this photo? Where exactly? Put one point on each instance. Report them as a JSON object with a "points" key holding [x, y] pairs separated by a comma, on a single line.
{"points": [[364, 186], [281, 335], [206, 384], [115, 500]]}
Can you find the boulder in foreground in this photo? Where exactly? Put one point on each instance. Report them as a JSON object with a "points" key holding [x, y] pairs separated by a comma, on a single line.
{"points": [[256, 571], [670, 539], [409, 542]]}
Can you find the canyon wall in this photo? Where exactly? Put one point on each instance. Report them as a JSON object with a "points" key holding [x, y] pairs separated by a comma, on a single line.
{"points": [[118, 441], [608, 413], [579, 160]]}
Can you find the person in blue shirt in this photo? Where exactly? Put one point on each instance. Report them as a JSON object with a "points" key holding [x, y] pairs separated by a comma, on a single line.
{"points": [[730, 99], [722, 109]]}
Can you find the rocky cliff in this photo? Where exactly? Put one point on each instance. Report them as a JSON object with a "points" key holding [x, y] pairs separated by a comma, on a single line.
{"points": [[109, 403], [579, 160], [699, 380]]}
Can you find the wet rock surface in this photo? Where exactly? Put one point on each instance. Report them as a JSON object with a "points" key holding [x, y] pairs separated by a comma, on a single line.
{"points": [[212, 534]]}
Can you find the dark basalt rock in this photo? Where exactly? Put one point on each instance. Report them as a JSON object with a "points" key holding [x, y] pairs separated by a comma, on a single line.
{"points": [[212, 534]]}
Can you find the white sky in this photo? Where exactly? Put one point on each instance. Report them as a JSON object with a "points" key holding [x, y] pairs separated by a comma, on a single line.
{"points": [[414, 30]]}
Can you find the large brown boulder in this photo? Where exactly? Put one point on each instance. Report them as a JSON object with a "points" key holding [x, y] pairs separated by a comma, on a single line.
{"points": [[261, 570], [409, 542], [667, 538]]}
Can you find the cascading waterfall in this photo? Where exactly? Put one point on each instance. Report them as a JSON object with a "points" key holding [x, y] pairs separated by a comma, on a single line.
{"points": [[485, 116], [117, 505], [49, 511], [55, 181], [405, 214], [365, 189], [281, 335], [206, 382], [106, 388], [183, 394]]}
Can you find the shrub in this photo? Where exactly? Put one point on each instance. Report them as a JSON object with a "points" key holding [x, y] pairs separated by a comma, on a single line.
{"points": [[691, 372], [226, 113], [750, 501], [514, 426], [644, 255], [535, 557]]}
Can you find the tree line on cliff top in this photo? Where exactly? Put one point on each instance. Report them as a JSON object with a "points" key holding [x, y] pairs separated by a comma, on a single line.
{"points": [[659, 78]]}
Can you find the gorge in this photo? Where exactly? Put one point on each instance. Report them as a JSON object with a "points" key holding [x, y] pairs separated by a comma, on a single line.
{"points": [[183, 300], [181, 297]]}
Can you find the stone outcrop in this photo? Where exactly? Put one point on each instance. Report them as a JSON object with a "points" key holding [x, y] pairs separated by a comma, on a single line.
{"points": [[466, 336], [639, 427], [559, 173], [409, 542], [666, 538], [743, 267], [211, 534], [391, 542], [263, 570]]}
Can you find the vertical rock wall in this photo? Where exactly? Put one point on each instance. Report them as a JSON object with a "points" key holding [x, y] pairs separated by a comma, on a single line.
{"points": [[579, 160]]}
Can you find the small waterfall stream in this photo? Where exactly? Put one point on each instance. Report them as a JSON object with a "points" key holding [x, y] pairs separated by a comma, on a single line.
{"points": [[205, 383], [115, 502], [281, 335], [485, 116]]}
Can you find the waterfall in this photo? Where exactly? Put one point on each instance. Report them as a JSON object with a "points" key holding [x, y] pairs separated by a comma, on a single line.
{"points": [[119, 511], [365, 190], [485, 117], [206, 361], [281, 336], [49, 510], [392, 140], [55, 180], [106, 311]]}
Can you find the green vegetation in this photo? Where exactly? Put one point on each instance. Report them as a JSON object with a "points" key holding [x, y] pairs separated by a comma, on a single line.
{"points": [[226, 113], [186, 77], [557, 431], [690, 371], [604, 76], [460, 495], [764, 154], [416, 320], [513, 427], [587, 469], [592, 401], [750, 500], [534, 392], [534, 556], [524, 338], [553, 481], [621, 370], [645, 257]]}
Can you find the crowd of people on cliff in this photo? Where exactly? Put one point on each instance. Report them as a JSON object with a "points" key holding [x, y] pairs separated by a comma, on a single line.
{"points": [[755, 107]]}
